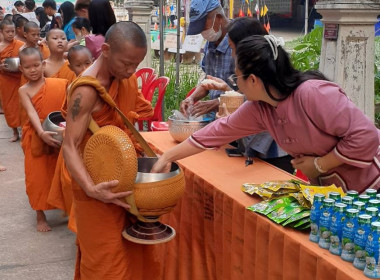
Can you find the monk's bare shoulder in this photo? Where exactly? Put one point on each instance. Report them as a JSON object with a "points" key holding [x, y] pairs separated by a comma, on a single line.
{"points": [[84, 100]]}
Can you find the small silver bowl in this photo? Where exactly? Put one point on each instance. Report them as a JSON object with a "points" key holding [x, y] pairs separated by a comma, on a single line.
{"points": [[180, 130], [51, 123], [12, 64], [145, 165]]}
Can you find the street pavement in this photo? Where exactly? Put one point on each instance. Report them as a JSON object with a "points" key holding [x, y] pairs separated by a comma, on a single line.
{"points": [[25, 253]]}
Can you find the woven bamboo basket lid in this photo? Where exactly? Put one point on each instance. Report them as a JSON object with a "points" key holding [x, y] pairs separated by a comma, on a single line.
{"points": [[110, 155], [233, 102]]}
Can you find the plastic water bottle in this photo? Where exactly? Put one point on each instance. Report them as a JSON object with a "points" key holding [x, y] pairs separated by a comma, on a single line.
{"points": [[348, 200], [372, 248], [348, 234], [335, 195], [360, 240], [324, 223], [336, 228], [364, 198], [373, 212], [371, 193], [353, 194], [374, 203], [315, 213], [360, 206]]}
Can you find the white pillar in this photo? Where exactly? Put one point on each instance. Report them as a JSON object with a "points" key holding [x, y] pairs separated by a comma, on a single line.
{"points": [[348, 54], [140, 11]]}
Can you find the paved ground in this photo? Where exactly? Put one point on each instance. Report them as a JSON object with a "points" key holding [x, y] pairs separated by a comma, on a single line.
{"points": [[25, 253]]}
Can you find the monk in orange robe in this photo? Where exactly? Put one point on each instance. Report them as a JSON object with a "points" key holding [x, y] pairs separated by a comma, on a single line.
{"points": [[56, 65], [32, 37], [40, 96], [100, 215], [60, 195], [9, 81]]}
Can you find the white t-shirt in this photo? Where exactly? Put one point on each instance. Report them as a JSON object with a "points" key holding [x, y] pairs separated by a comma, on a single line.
{"points": [[31, 16]]}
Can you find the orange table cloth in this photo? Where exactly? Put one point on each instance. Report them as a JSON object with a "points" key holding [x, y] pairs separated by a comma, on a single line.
{"points": [[218, 238]]}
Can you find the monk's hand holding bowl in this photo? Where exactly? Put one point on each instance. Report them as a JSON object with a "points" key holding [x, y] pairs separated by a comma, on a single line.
{"points": [[103, 192], [47, 137]]}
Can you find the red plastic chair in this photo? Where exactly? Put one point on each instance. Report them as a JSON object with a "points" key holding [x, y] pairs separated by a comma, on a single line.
{"points": [[164, 126], [147, 77], [160, 83]]}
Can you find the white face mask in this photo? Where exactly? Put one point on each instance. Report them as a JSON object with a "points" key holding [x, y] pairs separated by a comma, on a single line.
{"points": [[210, 34]]}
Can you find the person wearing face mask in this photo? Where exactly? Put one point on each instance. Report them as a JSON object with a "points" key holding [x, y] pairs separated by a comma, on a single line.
{"points": [[208, 18]]}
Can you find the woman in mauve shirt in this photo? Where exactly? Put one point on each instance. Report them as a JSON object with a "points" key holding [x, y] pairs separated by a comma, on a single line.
{"points": [[311, 118]]}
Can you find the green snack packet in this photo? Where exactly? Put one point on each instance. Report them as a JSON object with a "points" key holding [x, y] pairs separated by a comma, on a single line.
{"points": [[303, 227], [302, 222], [266, 207], [297, 217], [283, 213]]}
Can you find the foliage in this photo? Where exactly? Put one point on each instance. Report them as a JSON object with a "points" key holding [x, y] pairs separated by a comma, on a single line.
{"points": [[189, 78], [306, 50]]}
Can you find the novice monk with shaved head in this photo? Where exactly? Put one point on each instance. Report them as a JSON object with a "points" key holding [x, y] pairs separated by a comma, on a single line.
{"points": [[9, 81], [100, 215], [39, 97], [56, 65], [32, 37]]}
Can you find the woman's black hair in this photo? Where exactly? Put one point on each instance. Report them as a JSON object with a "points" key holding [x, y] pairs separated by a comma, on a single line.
{"points": [[81, 22], [255, 56], [243, 27], [101, 16], [43, 18], [67, 9]]}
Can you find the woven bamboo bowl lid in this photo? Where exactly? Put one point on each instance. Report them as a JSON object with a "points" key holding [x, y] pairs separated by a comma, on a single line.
{"points": [[110, 155]]}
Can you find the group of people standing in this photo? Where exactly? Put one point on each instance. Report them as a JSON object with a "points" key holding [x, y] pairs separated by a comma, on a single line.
{"points": [[47, 81]]}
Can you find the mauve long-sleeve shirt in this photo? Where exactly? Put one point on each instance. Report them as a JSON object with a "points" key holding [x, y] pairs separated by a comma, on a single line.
{"points": [[315, 119]]}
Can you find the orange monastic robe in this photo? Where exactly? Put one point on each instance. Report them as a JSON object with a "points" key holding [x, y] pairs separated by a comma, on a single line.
{"points": [[9, 85], [65, 73], [44, 50], [39, 169], [102, 251]]}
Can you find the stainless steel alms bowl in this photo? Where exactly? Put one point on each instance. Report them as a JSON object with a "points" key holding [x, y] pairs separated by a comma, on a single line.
{"points": [[180, 130], [12, 64], [144, 167], [51, 123]]}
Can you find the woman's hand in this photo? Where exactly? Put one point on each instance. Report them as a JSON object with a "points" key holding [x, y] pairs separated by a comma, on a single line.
{"points": [[204, 107], [161, 166], [102, 192], [47, 137], [213, 83], [306, 165]]}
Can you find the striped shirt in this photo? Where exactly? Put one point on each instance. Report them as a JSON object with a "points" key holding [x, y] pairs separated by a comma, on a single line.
{"points": [[218, 62]]}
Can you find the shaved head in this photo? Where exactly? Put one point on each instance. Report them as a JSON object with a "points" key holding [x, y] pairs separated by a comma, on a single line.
{"points": [[75, 49], [29, 52], [6, 23], [55, 30], [29, 25], [125, 31]]}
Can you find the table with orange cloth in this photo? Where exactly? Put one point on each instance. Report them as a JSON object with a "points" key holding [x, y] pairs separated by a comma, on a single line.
{"points": [[218, 238]]}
